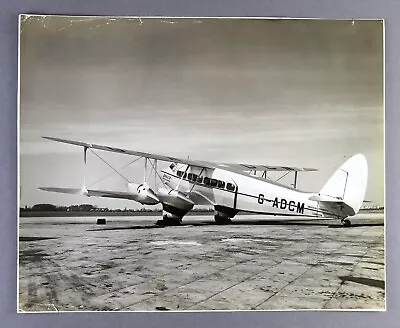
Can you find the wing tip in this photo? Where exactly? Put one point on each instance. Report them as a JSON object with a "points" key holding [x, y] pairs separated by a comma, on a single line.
{"points": [[310, 169], [52, 138]]}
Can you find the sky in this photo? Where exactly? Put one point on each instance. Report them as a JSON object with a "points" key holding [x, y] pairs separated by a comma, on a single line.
{"points": [[277, 92]]}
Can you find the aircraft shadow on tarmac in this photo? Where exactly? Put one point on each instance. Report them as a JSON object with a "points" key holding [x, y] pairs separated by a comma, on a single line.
{"points": [[136, 227], [244, 223]]}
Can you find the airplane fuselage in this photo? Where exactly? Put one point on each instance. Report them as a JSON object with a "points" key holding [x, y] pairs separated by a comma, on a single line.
{"points": [[246, 193]]}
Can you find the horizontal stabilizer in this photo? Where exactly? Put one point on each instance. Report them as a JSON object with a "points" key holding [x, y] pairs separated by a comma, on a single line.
{"points": [[334, 204], [325, 198]]}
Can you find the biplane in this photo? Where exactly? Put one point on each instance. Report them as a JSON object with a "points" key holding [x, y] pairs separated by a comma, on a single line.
{"points": [[232, 188]]}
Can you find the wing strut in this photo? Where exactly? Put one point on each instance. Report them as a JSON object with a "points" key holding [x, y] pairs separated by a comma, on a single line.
{"points": [[145, 170], [179, 183], [195, 183], [155, 172], [84, 169]]}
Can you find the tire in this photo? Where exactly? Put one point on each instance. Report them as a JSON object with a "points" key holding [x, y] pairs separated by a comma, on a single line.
{"points": [[346, 223], [222, 220], [169, 222]]}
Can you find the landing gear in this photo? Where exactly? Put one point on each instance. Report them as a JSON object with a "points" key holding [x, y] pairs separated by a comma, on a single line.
{"points": [[168, 221], [346, 222], [172, 215], [223, 214], [219, 219]]}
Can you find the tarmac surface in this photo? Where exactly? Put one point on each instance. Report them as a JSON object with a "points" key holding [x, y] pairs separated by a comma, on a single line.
{"points": [[256, 263]]}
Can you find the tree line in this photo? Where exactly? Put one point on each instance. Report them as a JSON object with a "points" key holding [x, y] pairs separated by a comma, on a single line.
{"points": [[90, 208]]}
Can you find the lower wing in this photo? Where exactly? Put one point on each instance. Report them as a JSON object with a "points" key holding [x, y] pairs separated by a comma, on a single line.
{"points": [[90, 192]]}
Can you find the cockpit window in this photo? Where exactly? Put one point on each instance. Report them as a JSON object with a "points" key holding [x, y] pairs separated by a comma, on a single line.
{"points": [[172, 166]]}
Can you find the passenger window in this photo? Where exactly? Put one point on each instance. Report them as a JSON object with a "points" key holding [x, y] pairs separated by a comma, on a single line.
{"points": [[214, 182], [184, 175], [200, 179], [190, 175], [179, 173], [230, 186], [221, 184], [207, 181], [194, 177]]}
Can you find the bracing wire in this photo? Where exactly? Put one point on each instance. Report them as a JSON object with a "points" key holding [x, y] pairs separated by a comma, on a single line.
{"points": [[109, 165], [283, 176], [119, 169]]}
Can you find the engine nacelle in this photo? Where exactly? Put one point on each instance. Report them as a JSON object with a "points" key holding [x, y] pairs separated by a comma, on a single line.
{"points": [[175, 198], [143, 194]]}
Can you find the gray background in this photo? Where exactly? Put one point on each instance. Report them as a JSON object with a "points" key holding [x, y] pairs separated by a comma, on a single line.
{"points": [[8, 161], [300, 92]]}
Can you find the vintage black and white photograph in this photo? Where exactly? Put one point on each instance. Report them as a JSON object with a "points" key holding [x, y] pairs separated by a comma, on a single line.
{"points": [[200, 164]]}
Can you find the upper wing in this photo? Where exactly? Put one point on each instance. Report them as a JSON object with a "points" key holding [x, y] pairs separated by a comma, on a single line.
{"points": [[260, 167], [202, 164], [135, 153]]}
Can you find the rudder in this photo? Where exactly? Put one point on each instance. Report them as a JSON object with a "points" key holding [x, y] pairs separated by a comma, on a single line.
{"points": [[349, 183]]}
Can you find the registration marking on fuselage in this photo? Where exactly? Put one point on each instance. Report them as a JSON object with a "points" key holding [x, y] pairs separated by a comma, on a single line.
{"points": [[284, 204]]}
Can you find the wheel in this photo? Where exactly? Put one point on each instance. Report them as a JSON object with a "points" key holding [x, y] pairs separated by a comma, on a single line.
{"points": [[346, 222], [176, 222], [166, 221], [160, 223], [222, 219]]}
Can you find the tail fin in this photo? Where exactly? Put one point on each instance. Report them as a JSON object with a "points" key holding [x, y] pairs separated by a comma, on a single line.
{"points": [[348, 184]]}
